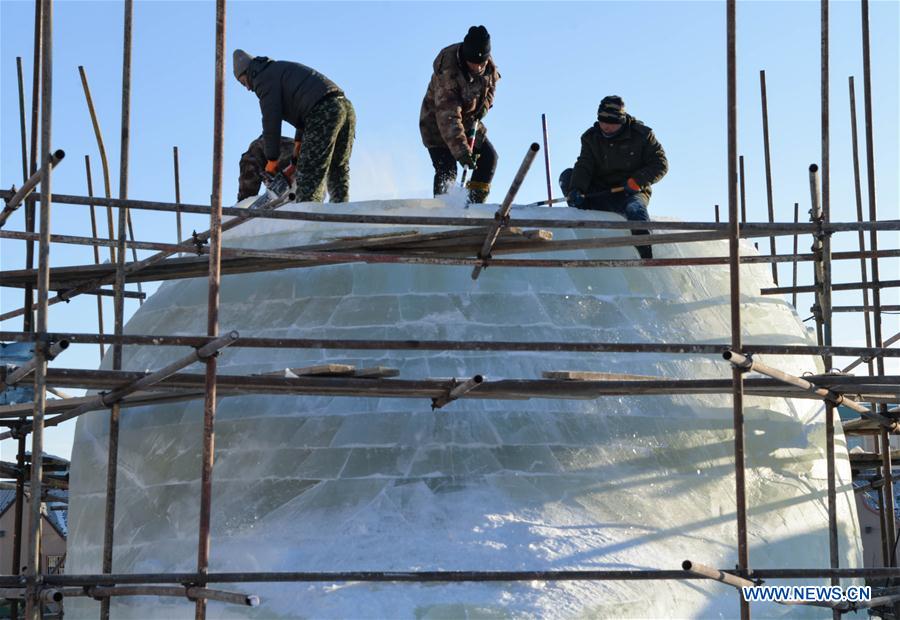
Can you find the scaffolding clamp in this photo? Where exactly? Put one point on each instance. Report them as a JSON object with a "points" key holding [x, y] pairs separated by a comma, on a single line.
{"points": [[16, 432], [455, 390], [199, 243]]}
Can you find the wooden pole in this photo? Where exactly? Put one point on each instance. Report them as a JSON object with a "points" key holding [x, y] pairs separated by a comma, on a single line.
{"points": [[96, 246], [104, 162]]}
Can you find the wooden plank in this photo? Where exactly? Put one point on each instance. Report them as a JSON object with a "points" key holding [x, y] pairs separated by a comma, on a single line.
{"points": [[583, 375], [377, 372], [331, 370]]}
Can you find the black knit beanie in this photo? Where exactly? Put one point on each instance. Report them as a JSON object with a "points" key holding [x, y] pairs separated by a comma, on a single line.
{"points": [[476, 47], [611, 110]]}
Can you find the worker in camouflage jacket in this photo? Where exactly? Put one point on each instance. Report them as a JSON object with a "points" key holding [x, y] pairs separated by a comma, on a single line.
{"points": [[459, 95], [620, 159], [253, 164], [323, 117]]}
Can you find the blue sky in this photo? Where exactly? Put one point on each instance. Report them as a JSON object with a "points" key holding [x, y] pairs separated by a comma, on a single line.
{"points": [[666, 59]]}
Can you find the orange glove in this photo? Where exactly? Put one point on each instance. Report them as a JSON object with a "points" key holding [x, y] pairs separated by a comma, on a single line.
{"points": [[291, 169], [272, 166], [632, 187]]}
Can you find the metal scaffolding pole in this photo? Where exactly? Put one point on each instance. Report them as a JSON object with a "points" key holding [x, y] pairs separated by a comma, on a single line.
{"points": [[768, 161], [735, 277], [212, 324], [32, 602], [873, 242], [859, 216]]}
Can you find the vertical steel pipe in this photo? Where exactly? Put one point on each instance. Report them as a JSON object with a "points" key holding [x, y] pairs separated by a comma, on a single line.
{"points": [[873, 243], [769, 202], [112, 461], [826, 298], [796, 242], [28, 317], [212, 326], [547, 159], [885, 543], [125, 136], [717, 213], [24, 140], [33, 603], [815, 216], [743, 193], [735, 276], [178, 237], [16, 567], [90, 186], [864, 276]]}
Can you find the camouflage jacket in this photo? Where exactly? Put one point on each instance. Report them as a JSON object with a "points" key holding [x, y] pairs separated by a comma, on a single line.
{"points": [[253, 162], [605, 163], [453, 101]]}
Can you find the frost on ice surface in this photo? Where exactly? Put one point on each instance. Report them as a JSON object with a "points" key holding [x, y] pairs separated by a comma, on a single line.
{"points": [[322, 483]]}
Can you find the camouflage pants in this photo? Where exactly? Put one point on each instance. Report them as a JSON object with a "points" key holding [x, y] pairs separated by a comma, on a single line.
{"points": [[325, 154], [253, 163]]}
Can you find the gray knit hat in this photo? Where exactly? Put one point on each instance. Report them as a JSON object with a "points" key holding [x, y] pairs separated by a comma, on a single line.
{"points": [[241, 62], [611, 110]]}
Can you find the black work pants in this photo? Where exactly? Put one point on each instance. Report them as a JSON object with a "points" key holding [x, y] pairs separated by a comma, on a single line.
{"points": [[445, 166]]}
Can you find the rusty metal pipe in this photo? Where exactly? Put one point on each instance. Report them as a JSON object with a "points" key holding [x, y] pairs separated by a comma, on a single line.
{"points": [[32, 603], [107, 399], [13, 203], [212, 319], [546, 133], [502, 214], [859, 216], [26, 369], [768, 162]]}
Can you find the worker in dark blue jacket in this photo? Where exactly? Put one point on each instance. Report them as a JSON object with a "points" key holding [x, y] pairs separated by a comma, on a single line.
{"points": [[323, 117]]}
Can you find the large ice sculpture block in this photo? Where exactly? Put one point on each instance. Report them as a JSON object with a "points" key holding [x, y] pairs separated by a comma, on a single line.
{"points": [[330, 484]]}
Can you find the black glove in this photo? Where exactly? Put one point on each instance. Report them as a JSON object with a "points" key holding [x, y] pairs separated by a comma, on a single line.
{"points": [[468, 160], [575, 198]]}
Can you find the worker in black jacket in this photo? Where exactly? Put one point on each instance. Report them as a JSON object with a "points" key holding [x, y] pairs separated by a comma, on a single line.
{"points": [[324, 119], [620, 159]]}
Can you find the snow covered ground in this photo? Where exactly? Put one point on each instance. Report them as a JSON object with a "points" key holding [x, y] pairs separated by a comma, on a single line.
{"points": [[336, 483]]}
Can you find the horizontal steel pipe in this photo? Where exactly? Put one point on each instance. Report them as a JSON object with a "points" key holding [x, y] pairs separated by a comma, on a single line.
{"points": [[75, 280], [754, 229], [442, 576], [455, 345], [850, 286]]}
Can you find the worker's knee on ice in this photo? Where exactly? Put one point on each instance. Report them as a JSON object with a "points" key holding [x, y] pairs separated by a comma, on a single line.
{"points": [[636, 210]]}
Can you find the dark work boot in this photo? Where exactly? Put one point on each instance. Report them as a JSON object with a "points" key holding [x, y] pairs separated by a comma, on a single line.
{"points": [[478, 192], [645, 251]]}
